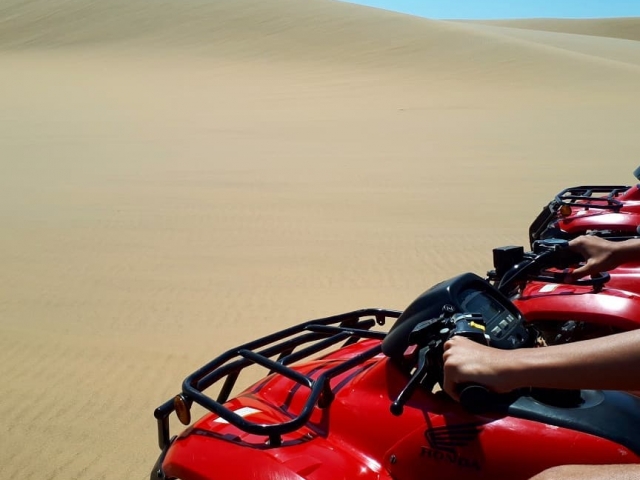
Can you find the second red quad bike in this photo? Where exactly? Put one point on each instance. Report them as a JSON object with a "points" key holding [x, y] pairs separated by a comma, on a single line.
{"points": [[342, 400], [563, 311]]}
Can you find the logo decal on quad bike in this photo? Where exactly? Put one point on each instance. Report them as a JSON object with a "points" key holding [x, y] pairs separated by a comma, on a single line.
{"points": [[444, 442], [447, 308]]}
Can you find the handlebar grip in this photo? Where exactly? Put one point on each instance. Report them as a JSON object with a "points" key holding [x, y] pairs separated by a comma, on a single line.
{"points": [[475, 398]]}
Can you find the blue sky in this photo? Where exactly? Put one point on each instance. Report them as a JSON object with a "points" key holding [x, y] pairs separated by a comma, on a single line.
{"points": [[469, 9]]}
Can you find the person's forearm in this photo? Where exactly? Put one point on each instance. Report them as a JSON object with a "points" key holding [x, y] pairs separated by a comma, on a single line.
{"points": [[608, 363]]}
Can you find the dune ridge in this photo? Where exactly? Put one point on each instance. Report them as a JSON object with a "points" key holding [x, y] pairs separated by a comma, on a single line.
{"points": [[182, 177], [623, 27], [609, 48]]}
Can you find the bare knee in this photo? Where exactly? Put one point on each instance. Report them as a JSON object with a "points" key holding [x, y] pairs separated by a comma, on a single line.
{"points": [[590, 472], [555, 473]]}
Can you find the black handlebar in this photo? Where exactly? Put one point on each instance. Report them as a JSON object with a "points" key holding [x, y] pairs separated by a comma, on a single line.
{"points": [[596, 280], [547, 254]]}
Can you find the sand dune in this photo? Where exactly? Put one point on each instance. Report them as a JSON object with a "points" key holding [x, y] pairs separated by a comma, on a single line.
{"points": [[315, 31], [183, 176]]}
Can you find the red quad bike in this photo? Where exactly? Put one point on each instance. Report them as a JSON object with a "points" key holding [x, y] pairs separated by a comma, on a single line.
{"points": [[609, 210], [342, 400], [560, 311]]}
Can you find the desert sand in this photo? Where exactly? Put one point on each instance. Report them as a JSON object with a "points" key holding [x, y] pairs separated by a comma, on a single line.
{"points": [[181, 176]]}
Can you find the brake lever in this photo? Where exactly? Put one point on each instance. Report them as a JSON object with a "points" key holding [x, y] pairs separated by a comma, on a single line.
{"points": [[417, 378]]}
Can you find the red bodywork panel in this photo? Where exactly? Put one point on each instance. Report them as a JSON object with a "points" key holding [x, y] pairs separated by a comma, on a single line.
{"points": [[616, 305], [356, 436], [582, 221]]}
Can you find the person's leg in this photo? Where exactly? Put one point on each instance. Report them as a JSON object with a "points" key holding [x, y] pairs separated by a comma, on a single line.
{"points": [[591, 472]]}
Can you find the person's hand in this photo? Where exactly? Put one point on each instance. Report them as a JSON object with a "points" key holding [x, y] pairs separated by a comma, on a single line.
{"points": [[601, 255], [466, 361]]}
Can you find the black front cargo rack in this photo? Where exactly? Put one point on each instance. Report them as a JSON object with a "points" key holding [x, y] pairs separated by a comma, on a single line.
{"points": [[314, 335], [605, 199], [601, 197]]}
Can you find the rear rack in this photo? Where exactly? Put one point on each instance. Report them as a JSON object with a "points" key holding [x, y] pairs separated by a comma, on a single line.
{"points": [[315, 335]]}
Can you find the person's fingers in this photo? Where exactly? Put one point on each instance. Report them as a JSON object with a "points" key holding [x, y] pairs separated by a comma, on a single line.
{"points": [[450, 389], [578, 273], [449, 385], [577, 245]]}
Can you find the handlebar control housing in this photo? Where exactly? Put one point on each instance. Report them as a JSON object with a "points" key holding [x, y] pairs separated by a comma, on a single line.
{"points": [[465, 294]]}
